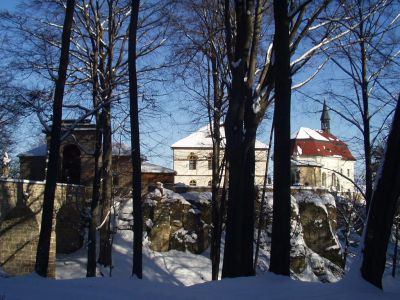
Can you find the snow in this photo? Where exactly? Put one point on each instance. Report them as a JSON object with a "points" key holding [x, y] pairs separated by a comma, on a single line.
{"points": [[152, 168], [328, 199], [202, 139], [299, 150], [183, 275], [256, 105], [310, 197], [40, 150], [194, 211], [307, 133], [198, 197], [177, 275], [173, 197]]}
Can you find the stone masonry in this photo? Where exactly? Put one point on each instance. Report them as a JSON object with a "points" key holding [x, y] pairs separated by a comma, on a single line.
{"points": [[20, 220]]}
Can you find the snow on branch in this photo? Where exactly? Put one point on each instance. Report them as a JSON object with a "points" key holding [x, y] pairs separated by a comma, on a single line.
{"points": [[301, 84], [295, 65]]}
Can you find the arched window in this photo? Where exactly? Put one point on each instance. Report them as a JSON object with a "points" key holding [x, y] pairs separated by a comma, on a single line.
{"points": [[333, 180], [192, 182], [71, 165], [209, 161], [192, 161], [209, 183], [323, 179], [116, 179]]}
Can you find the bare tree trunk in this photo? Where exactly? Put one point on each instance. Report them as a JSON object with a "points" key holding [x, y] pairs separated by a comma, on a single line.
{"points": [[240, 128], [238, 254], [249, 97], [365, 115], [94, 206], [106, 198], [395, 250], [346, 243], [105, 254], [135, 145], [42, 254], [215, 113], [280, 241], [262, 204], [382, 208], [216, 213]]}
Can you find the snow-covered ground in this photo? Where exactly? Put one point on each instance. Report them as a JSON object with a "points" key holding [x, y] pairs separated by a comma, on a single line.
{"points": [[175, 267], [177, 275]]}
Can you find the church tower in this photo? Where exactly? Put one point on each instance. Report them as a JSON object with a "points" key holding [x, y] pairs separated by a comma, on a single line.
{"points": [[325, 119]]}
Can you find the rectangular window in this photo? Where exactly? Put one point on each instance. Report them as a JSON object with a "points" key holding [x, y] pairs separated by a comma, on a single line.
{"points": [[192, 161], [192, 164], [348, 172]]}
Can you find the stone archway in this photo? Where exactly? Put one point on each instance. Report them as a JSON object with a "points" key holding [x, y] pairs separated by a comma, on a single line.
{"points": [[71, 165]]}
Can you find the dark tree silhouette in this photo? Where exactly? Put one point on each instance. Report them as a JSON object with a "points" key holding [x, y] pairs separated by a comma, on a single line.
{"points": [[383, 208], [135, 144], [280, 241], [42, 254]]}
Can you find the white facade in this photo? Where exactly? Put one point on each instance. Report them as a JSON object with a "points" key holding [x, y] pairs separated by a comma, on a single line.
{"points": [[334, 172], [327, 156], [192, 159]]}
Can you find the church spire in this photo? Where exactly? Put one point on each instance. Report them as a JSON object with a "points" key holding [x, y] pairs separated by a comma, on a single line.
{"points": [[325, 119]]}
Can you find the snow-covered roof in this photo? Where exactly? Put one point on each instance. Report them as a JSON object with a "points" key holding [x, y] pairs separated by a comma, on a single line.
{"points": [[305, 163], [310, 142], [307, 133], [40, 150], [152, 168], [119, 149], [202, 139]]}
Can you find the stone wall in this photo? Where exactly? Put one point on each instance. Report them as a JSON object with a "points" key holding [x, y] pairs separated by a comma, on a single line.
{"points": [[20, 221]]}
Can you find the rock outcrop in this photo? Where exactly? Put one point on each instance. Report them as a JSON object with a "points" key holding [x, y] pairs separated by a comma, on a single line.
{"points": [[177, 221], [315, 249], [183, 221]]}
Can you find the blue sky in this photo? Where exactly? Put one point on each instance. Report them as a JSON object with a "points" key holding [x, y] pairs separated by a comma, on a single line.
{"points": [[7, 4], [177, 124]]}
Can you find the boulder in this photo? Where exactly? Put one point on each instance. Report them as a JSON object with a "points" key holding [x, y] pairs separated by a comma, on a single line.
{"points": [[173, 223], [160, 237], [318, 218]]}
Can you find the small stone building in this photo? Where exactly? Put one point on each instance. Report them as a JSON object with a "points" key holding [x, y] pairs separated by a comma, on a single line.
{"points": [[77, 160], [192, 158], [320, 159]]}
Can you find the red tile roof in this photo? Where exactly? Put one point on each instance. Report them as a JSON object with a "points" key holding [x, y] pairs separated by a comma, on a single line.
{"points": [[327, 145]]}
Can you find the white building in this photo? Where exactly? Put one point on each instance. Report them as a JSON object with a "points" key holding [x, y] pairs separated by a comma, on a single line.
{"points": [[321, 159], [193, 158]]}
